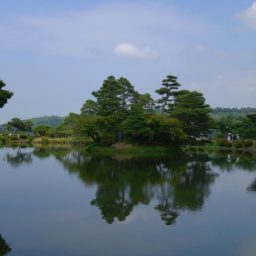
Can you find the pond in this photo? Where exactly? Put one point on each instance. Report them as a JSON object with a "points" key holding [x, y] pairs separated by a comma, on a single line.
{"points": [[67, 202]]}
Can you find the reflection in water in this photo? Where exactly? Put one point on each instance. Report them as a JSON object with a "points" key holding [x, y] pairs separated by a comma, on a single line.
{"points": [[18, 158], [4, 247], [229, 161], [252, 187], [176, 182]]}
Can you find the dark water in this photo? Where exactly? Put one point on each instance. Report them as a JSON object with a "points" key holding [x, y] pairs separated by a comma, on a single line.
{"points": [[61, 202]]}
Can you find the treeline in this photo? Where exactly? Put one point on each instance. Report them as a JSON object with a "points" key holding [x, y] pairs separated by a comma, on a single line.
{"points": [[244, 126], [51, 121], [234, 112], [119, 113]]}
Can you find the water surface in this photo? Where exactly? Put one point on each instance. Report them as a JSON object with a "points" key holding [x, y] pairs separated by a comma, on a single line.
{"points": [[63, 202]]}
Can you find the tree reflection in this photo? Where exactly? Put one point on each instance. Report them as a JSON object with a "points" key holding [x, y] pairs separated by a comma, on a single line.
{"points": [[41, 152], [18, 158], [176, 182], [229, 161], [4, 247], [252, 187]]}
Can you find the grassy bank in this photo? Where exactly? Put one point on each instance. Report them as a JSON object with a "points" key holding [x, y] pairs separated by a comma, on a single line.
{"points": [[129, 150]]}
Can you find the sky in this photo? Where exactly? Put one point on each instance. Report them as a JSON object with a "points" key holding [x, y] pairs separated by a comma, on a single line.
{"points": [[54, 53]]}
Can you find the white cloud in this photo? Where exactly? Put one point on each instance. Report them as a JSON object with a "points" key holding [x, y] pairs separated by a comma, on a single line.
{"points": [[248, 16], [131, 51]]}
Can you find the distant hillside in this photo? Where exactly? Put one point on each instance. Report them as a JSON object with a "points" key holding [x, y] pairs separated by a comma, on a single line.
{"points": [[235, 112], [51, 121]]}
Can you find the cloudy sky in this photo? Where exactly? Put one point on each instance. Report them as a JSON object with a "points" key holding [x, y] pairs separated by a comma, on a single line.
{"points": [[55, 52]]}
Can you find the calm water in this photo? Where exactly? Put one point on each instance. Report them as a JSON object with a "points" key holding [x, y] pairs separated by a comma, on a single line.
{"points": [[61, 202]]}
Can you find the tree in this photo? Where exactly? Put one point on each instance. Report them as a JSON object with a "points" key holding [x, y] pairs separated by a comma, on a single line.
{"points": [[136, 126], [146, 101], [191, 110], [4, 247], [108, 97], [19, 125], [114, 100], [4, 94], [127, 95], [42, 130], [168, 91], [89, 108], [252, 117], [166, 129], [92, 126]]}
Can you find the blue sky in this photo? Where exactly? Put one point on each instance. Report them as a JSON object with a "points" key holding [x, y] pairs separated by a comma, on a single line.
{"points": [[55, 52]]}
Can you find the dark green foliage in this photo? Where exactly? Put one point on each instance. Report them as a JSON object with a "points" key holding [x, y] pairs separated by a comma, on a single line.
{"points": [[168, 93], [224, 143], [4, 247], [166, 130], [89, 108], [248, 143], [18, 125], [238, 144], [146, 102], [119, 113], [244, 126], [91, 126], [135, 127], [191, 110], [4, 94], [114, 97], [41, 130], [252, 118]]}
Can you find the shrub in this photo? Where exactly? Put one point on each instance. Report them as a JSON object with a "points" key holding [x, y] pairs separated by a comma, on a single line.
{"points": [[13, 138], [23, 136], [248, 143], [224, 143], [238, 144], [45, 141]]}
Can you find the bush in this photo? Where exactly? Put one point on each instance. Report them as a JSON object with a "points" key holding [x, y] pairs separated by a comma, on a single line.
{"points": [[224, 143], [248, 143], [45, 141], [23, 136], [13, 138], [2, 139], [238, 144]]}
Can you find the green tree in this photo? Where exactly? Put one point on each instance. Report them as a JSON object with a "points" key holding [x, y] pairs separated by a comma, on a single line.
{"points": [[108, 97], [128, 94], [191, 110], [18, 125], [4, 247], [89, 108], [92, 126], [252, 117], [114, 100], [168, 93], [4, 94], [146, 101], [166, 130], [136, 128], [41, 130]]}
